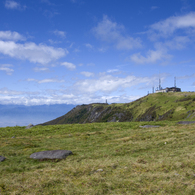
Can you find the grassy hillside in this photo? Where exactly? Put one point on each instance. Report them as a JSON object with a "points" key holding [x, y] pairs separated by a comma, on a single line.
{"points": [[109, 158], [154, 107]]}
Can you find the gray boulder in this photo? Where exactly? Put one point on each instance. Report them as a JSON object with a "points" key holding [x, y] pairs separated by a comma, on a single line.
{"points": [[29, 126], [149, 126], [185, 122], [51, 154], [2, 158]]}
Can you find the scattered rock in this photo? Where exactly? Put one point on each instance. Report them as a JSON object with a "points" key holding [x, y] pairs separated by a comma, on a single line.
{"points": [[185, 122], [2, 158], [29, 126], [51, 154], [149, 126], [99, 170]]}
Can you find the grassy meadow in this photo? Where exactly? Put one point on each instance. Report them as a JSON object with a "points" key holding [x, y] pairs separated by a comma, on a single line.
{"points": [[108, 158]]}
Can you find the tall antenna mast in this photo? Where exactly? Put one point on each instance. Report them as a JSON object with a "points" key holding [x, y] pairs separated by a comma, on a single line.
{"points": [[159, 84], [175, 82]]}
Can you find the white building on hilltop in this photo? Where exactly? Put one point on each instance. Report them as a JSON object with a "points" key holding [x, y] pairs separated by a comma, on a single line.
{"points": [[167, 89]]}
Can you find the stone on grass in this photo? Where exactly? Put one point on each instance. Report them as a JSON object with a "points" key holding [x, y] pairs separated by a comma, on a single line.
{"points": [[185, 122], [99, 170], [29, 126], [149, 126], [51, 154], [2, 158]]}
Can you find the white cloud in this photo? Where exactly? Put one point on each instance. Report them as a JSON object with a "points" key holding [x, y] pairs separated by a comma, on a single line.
{"points": [[102, 49], [178, 42], [112, 32], [83, 91], [112, 70], [109, 83], [18, 98], [10, 4], [50, 14], [51, 81], [171, 24], [45, 80], [186, 76], [151, 57], [54, 42], [77, 50], [68, 65], [60, 33], [166, 37], [43, 69], [6, 91], [7, 69], [90, 64], [154, 7], [13, 36], [30, 51], [88, 45], [28, 98], [87, 74]]}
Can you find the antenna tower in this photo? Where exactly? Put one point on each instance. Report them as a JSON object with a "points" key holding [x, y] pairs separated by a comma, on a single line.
{"points": [[175, 82], [159, 84]]}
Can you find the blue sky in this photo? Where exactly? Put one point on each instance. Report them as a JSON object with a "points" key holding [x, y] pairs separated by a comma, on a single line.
{"points": [[84, 51]]}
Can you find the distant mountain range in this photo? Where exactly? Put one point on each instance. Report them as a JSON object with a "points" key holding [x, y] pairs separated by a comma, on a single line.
{"points": [[12, 115], [154, 107]]}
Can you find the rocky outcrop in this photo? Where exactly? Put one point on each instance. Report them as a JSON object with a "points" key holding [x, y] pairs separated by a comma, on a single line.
{"points": [[186, 122], [29, 126], [2, 158], [51, 154]]}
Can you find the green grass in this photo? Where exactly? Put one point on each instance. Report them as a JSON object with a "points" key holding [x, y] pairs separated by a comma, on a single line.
{"points": [[130, 159], [180, 104]]}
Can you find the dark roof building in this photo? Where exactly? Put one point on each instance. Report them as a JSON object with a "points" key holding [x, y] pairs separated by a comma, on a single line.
{"points": [[167, 89]]}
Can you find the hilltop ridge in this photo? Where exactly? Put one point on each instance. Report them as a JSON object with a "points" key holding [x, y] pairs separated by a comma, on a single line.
{"points": [[153, 107]]}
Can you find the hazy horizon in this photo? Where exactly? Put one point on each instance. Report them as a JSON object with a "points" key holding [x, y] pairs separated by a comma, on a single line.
{"points": [[20, 115]]}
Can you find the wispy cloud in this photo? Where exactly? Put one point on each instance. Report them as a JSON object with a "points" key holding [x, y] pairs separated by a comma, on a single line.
{"points": [[170, 25], [6, 68], [88, 45], [112, 70], [154, 7], [165, 38], [109, 83], [187, 76], [43, 69], [90, 64], [45, 80], [68, 65], [113, 33], [87, 74], [151, 57], [60, 33], [8, 35], [10, 4], [35, 98]]}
